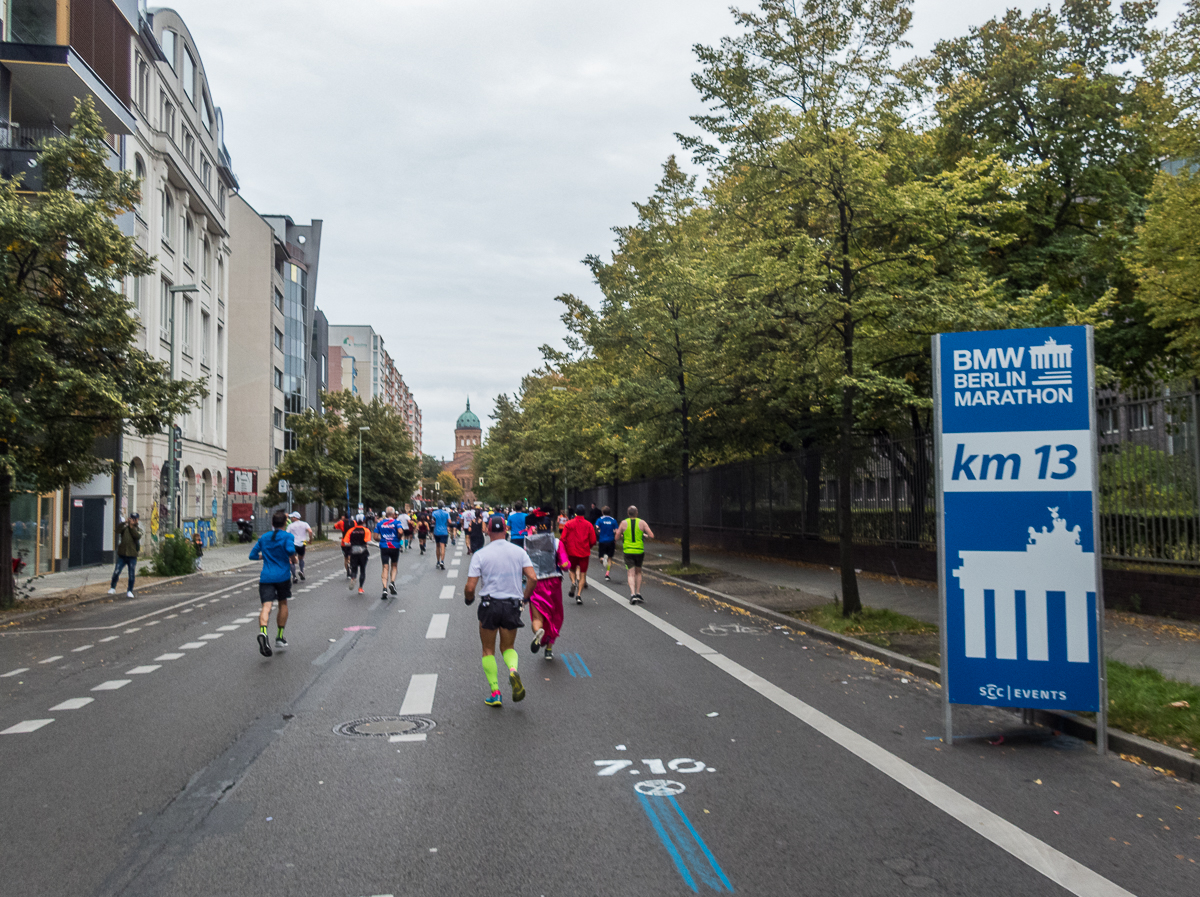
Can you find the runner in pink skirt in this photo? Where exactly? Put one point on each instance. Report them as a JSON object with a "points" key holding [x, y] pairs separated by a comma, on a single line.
{"points": [[545, 604]]}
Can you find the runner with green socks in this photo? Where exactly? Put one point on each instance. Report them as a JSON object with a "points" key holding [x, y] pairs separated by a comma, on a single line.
{"points": [[633, 533], [276, 549], [496, 572]]}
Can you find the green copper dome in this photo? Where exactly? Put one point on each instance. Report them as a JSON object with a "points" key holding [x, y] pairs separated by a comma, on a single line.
{"points": [[467, 420]]}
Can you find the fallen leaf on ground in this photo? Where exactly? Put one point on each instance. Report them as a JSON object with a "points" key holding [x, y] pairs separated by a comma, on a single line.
{"points": [[1184, 705]]}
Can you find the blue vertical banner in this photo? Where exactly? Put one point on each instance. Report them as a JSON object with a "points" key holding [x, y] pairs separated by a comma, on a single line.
{"points": [[1018, 556]]}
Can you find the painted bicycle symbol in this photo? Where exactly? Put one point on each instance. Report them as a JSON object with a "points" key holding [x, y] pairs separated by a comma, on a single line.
{"points": [[659, 787], [724, 629]]}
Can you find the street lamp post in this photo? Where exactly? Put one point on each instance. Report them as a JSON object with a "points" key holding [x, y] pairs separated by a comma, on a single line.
{"points": [[360, 432], [173, 464]]}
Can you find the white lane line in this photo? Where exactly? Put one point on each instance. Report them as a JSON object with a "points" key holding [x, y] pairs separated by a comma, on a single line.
{"points": [[411, 736], [111, 638], [138, 671], [81, 648], [192, 645], [51, 659], [209, 636], [134, 629], [168, 656], [18, 671], [438, 624], [1035, 853], [229, 628], [29, 725], [451, 574], [418, 699], [447, 592], [171, 617], [187, 610], [112, 685], [455, 562], [154, 622], [72, 704]]}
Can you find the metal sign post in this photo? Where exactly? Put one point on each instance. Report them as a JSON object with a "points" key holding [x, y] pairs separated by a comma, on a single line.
{"points": [[1019, 576]]}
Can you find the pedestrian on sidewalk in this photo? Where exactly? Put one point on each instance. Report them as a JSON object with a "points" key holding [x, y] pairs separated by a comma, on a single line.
{"points": [[496, 571], [357, 538], [578, 536], [302, 533], [275, 581], [606, 539], [198, 548], [549, 559], [129, 543], [633, 533]]}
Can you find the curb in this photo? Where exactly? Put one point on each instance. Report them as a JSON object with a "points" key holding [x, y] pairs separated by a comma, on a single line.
{"points": [[1160, 756]]}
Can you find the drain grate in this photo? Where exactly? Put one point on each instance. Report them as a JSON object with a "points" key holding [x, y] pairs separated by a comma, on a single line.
{"points": [[385, 726]]}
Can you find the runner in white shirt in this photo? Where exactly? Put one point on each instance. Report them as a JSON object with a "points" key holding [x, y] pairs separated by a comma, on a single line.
{"points": [[495, 572], [301, 533], [405, 527]]}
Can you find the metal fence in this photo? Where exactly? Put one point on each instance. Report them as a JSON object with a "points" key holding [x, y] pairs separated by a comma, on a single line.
{"points": [[1149, 495]]}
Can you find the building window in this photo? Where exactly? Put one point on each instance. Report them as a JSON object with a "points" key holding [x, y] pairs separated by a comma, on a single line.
{"points": [[139, 172], [206, 260], [221, 199], [189, 237], [164, 310], [167, 42], [168, 214], [278, 457], [188, 75], [186, 325], [220, 279], [220, 428], [278, 338], [166, 114], [1141, 416], [143, 84], [189, 148], [205, 335], [220, 347], [135, 293], [278, 299], [209, 118], [206, 174], [278, 419], [1108, 419], [278, 379]]}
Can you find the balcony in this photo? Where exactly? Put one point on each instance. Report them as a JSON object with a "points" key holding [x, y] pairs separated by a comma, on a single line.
{"points": [[48, 78], [19, 148]]}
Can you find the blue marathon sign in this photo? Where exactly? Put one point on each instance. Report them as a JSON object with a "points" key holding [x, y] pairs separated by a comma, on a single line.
{"points": [[1019, 569]]}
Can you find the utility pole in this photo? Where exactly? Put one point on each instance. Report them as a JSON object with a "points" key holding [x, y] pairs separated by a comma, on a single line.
{"points": [[360, 432]]}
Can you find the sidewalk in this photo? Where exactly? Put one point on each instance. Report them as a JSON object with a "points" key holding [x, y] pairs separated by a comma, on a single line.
{"points": [[1170, 646]]}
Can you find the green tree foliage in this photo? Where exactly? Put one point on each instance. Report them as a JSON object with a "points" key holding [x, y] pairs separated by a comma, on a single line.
{"points": [[430, 467], [70, 372], [319, 466], [175, 555], [449, 488], [389, 462]]}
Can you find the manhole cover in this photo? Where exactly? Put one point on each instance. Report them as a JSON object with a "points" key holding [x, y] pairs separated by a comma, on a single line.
{"points": [[658, 787], [384, 726]]}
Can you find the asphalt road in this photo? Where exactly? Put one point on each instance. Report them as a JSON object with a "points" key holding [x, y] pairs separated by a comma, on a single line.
{"points": [[679, 747]]}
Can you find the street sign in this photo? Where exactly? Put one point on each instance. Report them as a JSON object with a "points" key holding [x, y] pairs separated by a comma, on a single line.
{"points": [[283, 487], [1019, 569]]}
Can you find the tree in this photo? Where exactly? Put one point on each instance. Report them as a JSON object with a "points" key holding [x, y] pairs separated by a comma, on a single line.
{"points": [[389, 463], [451, 489], [430, 467], [70, 372], [842, 226], [319, 466]]}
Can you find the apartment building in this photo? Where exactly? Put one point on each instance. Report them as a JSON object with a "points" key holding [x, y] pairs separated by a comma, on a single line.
{"points": [[369, 371]]}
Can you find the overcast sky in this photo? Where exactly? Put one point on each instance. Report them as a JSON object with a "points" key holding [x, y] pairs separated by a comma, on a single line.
{"points": [[465, 155]]}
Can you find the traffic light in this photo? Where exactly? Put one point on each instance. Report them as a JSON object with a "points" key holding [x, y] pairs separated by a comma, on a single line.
{"points": [[177, 450]]}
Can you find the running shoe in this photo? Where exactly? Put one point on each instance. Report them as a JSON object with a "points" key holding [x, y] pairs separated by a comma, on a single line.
{"points": [[349, 583], [264, 647], [571, 594], [360, 591], [537, 641], [579, 599], [392, 587], [112, 591], [494, 699], [549, 653], [302, 574], [295, 579], [383, 597], [606, 579], [280, 643], [633, 599], [517, 686], [129, 594]]}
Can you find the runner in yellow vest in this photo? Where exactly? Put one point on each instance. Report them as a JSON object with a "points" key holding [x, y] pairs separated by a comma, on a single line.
{"points": [[633, 533]]}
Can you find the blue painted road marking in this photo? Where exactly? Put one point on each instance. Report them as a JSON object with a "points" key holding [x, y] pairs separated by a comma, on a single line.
{"points": [[683, 843], [583, 671], [567, 660], [583, 666]]}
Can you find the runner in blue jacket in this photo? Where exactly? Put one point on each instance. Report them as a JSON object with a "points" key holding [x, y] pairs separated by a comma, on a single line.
{"points": [[276, 549]]}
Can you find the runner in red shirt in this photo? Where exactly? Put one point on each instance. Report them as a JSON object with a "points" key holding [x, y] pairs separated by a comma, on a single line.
{"points": [[578, 536]]}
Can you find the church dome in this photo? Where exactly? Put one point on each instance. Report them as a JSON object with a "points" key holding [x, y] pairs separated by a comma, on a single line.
{"points": [[467, 420]]}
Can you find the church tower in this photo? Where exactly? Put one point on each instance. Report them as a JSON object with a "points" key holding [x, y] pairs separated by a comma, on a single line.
{"points": [[468, 434]]}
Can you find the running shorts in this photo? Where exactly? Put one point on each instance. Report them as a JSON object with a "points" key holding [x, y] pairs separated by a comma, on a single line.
{"points": [[300, 549], [389, 555], [519, 541], [606, 549], [579, 563], [500, 613], [346, 550], [274, 591], [441, 540], [634, 560]]}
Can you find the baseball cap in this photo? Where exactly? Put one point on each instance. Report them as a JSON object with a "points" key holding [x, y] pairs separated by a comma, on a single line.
{"points": [[135, 515], [295, 515], [496, 525]]}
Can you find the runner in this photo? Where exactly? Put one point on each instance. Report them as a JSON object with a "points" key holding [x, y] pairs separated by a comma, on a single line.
{"points": [[275, 581], [516, 524], [441, 533], [342, 526], [388, 530], [632, 533], [475, 538], [422, 529], [497, 570], [301, 533], [465, 521], [356, 540], [606, 539], [405, 529], [549, 559], [454, 523], [578, 537], [562, 521]]}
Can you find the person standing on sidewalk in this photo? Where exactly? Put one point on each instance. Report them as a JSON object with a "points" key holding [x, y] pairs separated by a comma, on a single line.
{"points": [[633, 533], [301, 533], [275, 581], [578, 537], [129, 543], [357, 538], [496, 572], [606, 540], [545, 602]]}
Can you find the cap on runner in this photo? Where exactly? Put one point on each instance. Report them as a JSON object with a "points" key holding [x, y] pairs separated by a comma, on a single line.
{"points": [[496, 525]]}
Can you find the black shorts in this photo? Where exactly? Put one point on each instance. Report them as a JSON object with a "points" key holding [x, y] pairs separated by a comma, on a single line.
{"points": [[606, 549], [300, 549], [441, 540], [634, 560], [346, 550], [274, 591], [519, 541], [389, 555], [500, 613]]}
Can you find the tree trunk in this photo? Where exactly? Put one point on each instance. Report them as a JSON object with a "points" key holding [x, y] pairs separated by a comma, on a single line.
{"points": [[851, 603], [7, 579], [685, 537]]}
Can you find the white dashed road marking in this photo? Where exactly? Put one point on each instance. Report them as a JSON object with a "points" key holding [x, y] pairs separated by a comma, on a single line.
{"points": [[111, 638], [81, 648], [134, 629], [18, 671], [72, 704], [451, 574], [419, 697], [447, 592], [51, 659], [437, 626], [112, 685], [29, 725], [229, 628], [209, 636], [168, 657], [192, 645], [455, 562], [137, 671]]}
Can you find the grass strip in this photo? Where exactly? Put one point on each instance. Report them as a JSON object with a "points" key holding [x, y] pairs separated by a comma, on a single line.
{"points": [[868, 621], [689, 570], [1139, 701]]}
